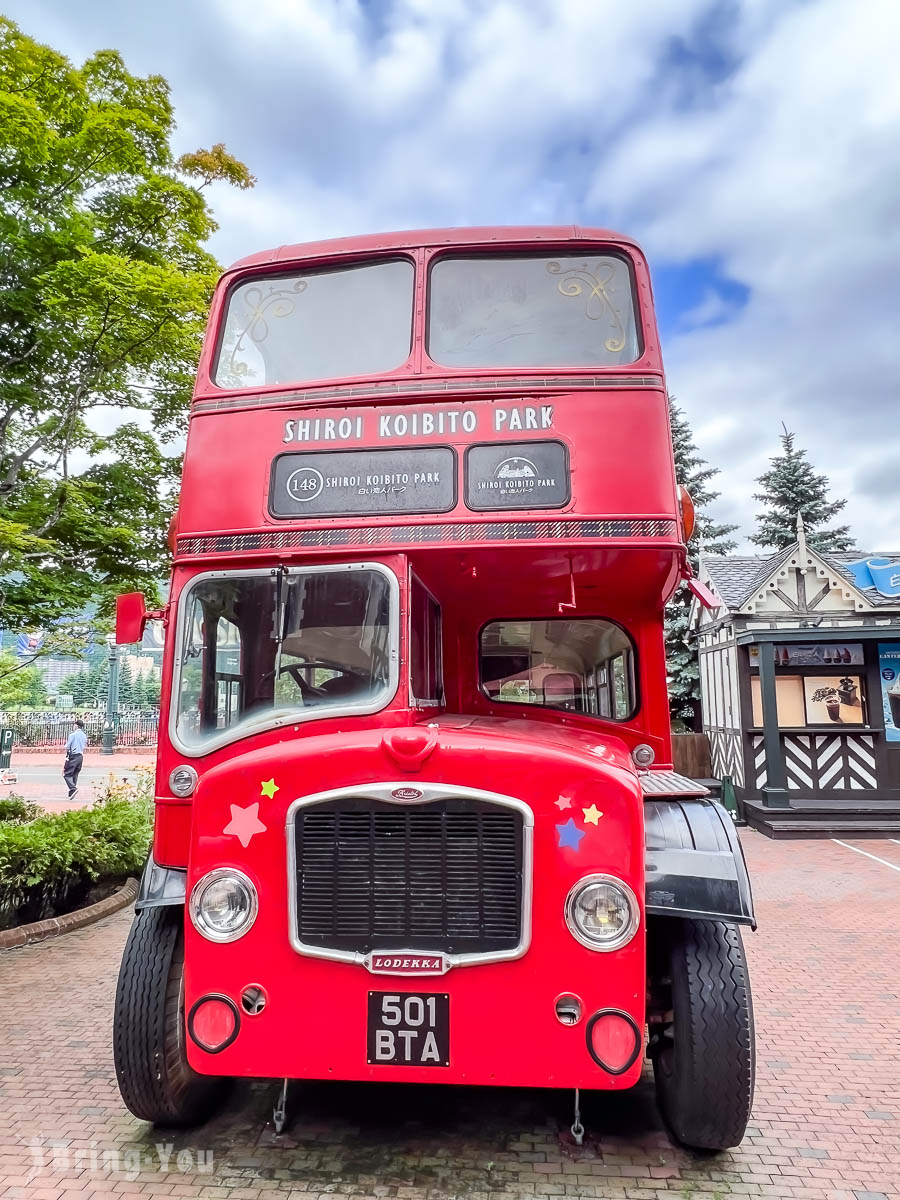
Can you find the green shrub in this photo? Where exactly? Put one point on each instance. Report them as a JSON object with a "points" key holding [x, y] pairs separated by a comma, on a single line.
{"points": [[17, 808], [49, 864]]}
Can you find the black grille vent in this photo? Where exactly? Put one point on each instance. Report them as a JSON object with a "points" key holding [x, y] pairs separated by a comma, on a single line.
{"points": [[446, 875]]}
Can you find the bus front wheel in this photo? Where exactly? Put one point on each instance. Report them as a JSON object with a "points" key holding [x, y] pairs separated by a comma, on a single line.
{"points": [[702, 1042], [152, 1070]]}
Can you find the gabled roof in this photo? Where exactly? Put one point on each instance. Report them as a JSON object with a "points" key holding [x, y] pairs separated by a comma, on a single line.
{"points": [[736, 577]]}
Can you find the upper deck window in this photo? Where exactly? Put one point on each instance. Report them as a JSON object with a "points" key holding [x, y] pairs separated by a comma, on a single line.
{"points": [[530, 311], [317, 325]]}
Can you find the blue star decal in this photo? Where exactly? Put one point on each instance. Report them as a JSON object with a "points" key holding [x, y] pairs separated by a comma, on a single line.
{"points": [[569, 835]]}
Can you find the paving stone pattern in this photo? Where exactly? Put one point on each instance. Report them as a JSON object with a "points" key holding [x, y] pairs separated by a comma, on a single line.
{"points": [[826, 1124]]}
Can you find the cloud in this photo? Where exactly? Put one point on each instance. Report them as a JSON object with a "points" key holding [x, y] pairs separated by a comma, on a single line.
{"points": [[789, 181], [880, 479], [753, 146], [712, 309]]}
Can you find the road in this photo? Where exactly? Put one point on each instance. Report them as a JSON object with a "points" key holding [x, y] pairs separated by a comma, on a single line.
{"points": [[39, 776]]}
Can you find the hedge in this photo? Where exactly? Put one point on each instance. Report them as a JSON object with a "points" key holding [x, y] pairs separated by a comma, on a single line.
{"points": [[17, 808], [49, 863]]}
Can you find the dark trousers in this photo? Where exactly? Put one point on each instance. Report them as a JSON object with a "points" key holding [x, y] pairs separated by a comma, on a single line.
{"points": [[72, 770]]}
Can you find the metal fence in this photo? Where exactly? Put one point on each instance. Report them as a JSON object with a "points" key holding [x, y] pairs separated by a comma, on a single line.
{"points": [[49, 730]]}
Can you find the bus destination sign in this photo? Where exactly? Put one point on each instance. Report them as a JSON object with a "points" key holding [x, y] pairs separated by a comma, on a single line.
{"points": [[517, 475], [420, 479]]}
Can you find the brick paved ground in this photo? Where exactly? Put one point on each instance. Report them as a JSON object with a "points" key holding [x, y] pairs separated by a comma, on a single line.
{"points": [[826, 1124]]}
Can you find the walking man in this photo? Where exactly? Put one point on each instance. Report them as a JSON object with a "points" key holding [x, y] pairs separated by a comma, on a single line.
{"points": [[74, 757]]}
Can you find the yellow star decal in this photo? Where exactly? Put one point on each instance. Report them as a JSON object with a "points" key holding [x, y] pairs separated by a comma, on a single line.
{"points": [[592, 815], [269, 788]]}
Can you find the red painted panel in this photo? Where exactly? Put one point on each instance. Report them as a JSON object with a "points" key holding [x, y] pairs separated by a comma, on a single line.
{"points": [[618, 443], [503, 1026]]}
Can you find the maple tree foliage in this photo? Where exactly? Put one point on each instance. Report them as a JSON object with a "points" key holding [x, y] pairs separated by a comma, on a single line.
{"points": [[104, 288]]}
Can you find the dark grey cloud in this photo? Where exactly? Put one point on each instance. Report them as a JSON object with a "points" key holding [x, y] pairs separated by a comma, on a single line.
{"points": [[881, 480]]}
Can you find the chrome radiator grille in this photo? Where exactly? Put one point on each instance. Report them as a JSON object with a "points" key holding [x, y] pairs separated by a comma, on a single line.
{"points": [[442, 876]]}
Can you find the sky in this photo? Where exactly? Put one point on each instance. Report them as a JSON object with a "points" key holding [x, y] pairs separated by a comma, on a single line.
{"points": [[752, 147]]}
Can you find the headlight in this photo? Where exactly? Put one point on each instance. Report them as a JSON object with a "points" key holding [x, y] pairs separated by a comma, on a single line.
{"points": [[602, 912], [182, 781], [223, 905]]}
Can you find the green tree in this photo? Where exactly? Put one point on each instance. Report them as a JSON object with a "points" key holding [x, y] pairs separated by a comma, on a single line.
{"points": [[154, 687], [20, 685], [79, 687], [682, 664], [791, 485], [125, 683], [37, 687], [104, 286], [98, 680], [139, 689]]}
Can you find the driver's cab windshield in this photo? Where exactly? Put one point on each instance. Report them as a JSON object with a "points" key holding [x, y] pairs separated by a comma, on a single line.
{"points": [[285, 645]]}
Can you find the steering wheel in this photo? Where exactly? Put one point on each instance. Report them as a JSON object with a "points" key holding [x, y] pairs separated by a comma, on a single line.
{"points": [[308, 691]]}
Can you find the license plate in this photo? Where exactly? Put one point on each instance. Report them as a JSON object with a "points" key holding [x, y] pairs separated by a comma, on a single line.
{"points": [[409, 1029]]}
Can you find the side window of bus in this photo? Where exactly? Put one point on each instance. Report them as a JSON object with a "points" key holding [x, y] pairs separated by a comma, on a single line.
{"points": [[211, 684], [582, 665], [425, 649], [621, 697], [229, 683], [604, 708]]}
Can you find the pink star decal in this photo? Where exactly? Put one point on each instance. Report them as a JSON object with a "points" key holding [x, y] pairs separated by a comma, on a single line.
{"points": [[244, 823], [564, 802]]}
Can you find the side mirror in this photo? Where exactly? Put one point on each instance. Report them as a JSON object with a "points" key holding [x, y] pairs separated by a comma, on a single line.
{"points": [[131, 617]]}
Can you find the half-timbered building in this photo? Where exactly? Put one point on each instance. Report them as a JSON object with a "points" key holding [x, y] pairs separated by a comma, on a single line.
{"points": [[800, 683]]}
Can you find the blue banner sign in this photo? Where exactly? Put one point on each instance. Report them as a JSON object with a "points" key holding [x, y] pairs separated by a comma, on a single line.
{"points": [[879, 573], [28, 644], [889, 670]]}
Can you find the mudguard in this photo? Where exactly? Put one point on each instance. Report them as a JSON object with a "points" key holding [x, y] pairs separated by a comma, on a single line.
{"points": [[160, 886], [694, 862]]}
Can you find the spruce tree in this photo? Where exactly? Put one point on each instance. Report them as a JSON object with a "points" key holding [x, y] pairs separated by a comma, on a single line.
{"points": [[791, 485], [98, 681], [125, 683], [682, 662], [79, 687]]}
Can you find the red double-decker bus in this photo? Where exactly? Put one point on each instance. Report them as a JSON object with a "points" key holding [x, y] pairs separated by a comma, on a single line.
{"points": [[416, 817]]}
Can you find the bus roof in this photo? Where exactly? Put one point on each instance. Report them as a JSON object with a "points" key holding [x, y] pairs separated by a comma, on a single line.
{"points": [[409, 239]]}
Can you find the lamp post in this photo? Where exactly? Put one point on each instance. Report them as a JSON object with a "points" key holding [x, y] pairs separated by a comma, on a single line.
{"points": [[108, 737]]}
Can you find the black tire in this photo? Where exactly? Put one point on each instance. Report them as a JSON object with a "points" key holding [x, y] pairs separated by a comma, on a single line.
{"points": [[152, 1070], [702, 1044]]}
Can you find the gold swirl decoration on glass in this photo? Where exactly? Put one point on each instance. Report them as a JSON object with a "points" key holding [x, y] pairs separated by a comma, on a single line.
{"points": [[578, 281], [263, 303]]}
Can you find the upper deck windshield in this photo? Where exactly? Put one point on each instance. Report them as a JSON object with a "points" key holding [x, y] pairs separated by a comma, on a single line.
{"points": [[260, 647], [317, 325], [532, 311], [510, 311]]}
